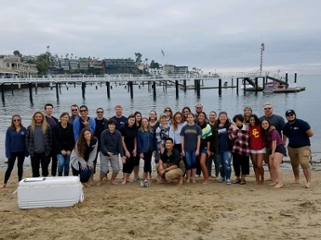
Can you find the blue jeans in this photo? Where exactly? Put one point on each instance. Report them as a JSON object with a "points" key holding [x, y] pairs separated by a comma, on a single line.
{"points": [[85, 174], [224, 161], [63, 164], [190, 159]]}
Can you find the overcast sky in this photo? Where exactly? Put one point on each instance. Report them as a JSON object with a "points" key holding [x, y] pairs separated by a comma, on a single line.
{"points": [[212, 35]]}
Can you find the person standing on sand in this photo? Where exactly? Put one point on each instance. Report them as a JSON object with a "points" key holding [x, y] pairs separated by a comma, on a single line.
{"points": [[52, 121], [240, 136], [39, 143], [211, 158], [170, 166], [191, 141], [111, 146], [298, 132], [276, 121], [146, 145], [129, 141], [15, 147], [83, 155], [83, 122], [205, 146], [63, 142], [257, 148], [277, 152], [222, 147]]}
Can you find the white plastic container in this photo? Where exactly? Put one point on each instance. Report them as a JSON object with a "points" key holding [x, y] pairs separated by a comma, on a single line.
{"points": [[44, 192]]}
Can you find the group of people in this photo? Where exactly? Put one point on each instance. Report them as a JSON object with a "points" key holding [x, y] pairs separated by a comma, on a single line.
{"points": [[183, 144]]}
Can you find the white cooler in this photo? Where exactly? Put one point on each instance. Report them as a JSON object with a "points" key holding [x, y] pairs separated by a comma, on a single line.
{"points": [[49, 192]]}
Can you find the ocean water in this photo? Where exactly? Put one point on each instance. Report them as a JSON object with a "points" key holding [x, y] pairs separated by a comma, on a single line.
{"points": [[306, 103]]}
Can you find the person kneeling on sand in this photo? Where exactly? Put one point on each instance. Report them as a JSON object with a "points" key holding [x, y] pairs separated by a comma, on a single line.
{"points": [[110, 147], [170, 166]]}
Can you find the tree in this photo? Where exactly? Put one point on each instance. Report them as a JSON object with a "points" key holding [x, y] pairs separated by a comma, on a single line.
{"points": [[138, 57], [42, 63], [153, 64], [17, 53]]}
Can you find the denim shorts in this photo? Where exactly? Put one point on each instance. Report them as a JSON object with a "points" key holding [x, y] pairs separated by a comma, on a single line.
{"points": [[203, 150]]}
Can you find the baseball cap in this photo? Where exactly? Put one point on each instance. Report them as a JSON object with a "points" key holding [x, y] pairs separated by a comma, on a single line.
{"points": [[163, 115], [290, 111]]}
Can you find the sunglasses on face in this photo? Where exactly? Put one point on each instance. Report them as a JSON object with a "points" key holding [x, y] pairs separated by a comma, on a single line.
{"points": [[290, 115], [267, 109], [83, 110], [16, 120], [74, 110], [100, 112], [167, 110]]}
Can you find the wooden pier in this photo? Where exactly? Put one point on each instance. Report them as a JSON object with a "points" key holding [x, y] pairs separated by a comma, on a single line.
{"points": [[178, 81]]}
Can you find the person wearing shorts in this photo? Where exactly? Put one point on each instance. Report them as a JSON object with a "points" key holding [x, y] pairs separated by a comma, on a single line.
{"points": [[298, 132], [110, 147]]}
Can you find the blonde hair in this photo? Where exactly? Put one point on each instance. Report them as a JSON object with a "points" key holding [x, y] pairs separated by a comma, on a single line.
{"points": [[148, 126], [44, 124]]}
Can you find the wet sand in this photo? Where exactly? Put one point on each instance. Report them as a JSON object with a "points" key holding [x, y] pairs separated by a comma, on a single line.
{"points": [[191, 211]]}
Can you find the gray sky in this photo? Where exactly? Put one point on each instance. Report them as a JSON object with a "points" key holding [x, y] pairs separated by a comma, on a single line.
{"points": [[219, 35]]}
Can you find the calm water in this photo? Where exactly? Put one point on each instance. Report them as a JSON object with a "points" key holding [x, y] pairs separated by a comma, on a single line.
{"points": [[305, 103]]}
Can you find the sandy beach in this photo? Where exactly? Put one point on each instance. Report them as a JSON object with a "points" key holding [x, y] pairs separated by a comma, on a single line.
{"points": [[191, 211]]}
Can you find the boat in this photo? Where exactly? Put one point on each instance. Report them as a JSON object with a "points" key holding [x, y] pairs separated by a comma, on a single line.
{"points": [[276, 87]]}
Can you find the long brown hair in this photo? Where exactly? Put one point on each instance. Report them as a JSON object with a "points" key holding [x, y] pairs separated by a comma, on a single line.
{"points": [[174, 123], [44, 124], [12, 126], [81, 142]]}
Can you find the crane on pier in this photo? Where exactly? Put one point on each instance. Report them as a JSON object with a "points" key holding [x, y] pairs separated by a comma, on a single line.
{"points": [[261, 62]]}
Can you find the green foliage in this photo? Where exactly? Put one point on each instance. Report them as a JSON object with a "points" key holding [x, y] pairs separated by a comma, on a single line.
{"points": [[43, 63], [154, 64], [138, 58]]}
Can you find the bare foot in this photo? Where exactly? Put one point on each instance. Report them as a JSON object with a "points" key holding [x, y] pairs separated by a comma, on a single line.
{"points": [[98, 184], [279, 185], [206, 182], [113, 183], [256, 182], [193, 181], [188, 180], [123, 182], [129, 180], [270, 179], [4, 185], [261, 182], [272, 184], [308, 185], [87, 185], [295, 182], [91, 183], [180, 182]]}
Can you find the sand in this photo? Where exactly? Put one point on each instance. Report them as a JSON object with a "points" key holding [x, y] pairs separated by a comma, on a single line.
{"points": [[191, 211]]}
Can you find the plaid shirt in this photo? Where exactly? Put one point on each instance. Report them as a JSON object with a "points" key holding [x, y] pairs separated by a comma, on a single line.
{"points": [[241, 140]]}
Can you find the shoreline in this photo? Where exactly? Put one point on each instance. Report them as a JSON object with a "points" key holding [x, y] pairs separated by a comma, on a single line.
{"points": [[212, 211]]}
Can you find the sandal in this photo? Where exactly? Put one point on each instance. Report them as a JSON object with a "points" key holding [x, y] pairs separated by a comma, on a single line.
{"points": [[237, 181], [243, 182]]}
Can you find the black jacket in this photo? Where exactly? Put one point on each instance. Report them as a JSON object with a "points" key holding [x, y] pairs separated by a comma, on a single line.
{"points": [[63, 138]]}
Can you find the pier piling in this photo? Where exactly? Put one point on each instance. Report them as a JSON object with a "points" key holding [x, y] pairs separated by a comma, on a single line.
{"points": [[154, 90], [219, 87], [176, 88], [256, 86], [244, 87], [12, 89], [295, 77], [108, 89], [57, 91], [286, 80], [198, 87], [2, 93], [237, 86], [184, 83], [83, 90], [30, 93], [131, 89]]}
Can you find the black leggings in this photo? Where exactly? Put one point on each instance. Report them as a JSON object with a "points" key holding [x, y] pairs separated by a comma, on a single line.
{"points": [[11, 161], [147, 161], [36, 160], [128, 166], [241, 164]]}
